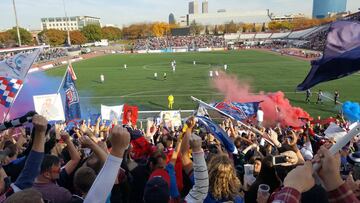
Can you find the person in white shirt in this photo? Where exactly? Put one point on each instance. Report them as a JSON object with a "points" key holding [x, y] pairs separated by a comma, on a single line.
{"points": [[155, 75], [260, 117], [125, 66], [216, 73], [194, 62], [211, 74], [225, 67], [102, 78]]}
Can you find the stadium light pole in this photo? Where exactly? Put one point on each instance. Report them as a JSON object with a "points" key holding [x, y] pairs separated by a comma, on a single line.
{"points": [[17, 24], [67, 24]]}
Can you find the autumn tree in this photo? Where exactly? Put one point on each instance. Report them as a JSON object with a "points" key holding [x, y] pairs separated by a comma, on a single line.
{"points": [[207, 32], [111, 33], [221, 29], [4, 37], [52, 37], [195, 28], [136, 31], [77, 37], [247, 27], [92, 32], [216, 31], [231, 27], [263, 28], [159, 29]]}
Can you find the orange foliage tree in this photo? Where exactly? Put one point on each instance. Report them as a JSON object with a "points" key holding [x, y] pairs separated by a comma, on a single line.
{"points": [[77, 37]]}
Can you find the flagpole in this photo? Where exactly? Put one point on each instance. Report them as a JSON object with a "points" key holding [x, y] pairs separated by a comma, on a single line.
{"points": [[201, 102], [17, 24], [62, 81], [213, 108]]}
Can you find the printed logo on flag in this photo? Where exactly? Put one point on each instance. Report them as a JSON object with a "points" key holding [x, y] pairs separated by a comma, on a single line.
{"points": [[16, 63], [72, 96]]}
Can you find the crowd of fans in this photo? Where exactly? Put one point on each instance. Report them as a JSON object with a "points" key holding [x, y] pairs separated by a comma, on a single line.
{"points": [[316, 41], [190, 42], [46, 55], [160, 164], [52, 54]]}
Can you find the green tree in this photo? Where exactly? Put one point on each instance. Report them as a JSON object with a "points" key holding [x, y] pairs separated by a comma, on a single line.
{"points": [[111, 33], [52, 37], [92, 32], [25, 36]]}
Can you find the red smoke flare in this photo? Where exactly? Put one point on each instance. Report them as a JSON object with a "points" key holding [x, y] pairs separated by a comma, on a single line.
{"points": [[275, 106]]}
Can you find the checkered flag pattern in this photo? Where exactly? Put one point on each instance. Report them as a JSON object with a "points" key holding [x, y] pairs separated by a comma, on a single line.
{"points": [[8, 90], [249, 109]]}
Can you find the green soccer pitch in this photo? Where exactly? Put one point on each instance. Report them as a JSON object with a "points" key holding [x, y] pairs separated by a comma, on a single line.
{"points": [[136, 85]]}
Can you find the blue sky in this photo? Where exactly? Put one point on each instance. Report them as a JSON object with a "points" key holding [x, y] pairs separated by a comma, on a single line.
{"points": [[123, 12]]}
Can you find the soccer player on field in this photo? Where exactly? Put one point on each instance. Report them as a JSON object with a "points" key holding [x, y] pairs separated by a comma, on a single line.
{"points": [[102, 78]]}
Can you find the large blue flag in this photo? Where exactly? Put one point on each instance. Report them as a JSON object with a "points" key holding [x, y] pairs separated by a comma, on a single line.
{"points": [[72, 104], [239, 111], [341, 56], [218, 132]]}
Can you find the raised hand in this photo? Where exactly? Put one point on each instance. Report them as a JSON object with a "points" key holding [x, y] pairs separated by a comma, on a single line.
{"points": [[120, 139]]}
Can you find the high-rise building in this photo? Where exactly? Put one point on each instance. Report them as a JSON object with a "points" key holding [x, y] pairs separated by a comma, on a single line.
{"points": [[205, 7], [172, 19], [193, 7], [324, 8], [73, 23]]}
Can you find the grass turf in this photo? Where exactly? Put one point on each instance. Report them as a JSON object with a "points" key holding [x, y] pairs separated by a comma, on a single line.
{"points": [[136, 85]]}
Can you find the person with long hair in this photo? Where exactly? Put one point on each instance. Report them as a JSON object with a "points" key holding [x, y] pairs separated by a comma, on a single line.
{"points": [[224, 184], [266, 176]]}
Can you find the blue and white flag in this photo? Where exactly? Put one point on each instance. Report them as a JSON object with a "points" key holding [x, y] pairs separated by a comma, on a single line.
{"points": [[239, 111], [12, 75], [16, 67], [72, 103], [218, 132], [249, 108]]}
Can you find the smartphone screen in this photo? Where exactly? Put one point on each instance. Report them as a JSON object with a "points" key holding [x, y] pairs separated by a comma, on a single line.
{"points": [[279, 160], [262, 142]]}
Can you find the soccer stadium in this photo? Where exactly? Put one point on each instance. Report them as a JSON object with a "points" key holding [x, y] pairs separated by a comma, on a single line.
{"points": [[216, 105]]}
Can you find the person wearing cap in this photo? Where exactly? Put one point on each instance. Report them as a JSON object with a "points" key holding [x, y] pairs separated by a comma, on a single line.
{"points": [[167, 175]]}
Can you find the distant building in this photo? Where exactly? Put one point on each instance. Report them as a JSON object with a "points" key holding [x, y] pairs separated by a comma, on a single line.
{"points": [[288, 17], [183, 21], [326, 8], [172, 19], [205, 7], [258, 17], [193, 7], [71, 23]]}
